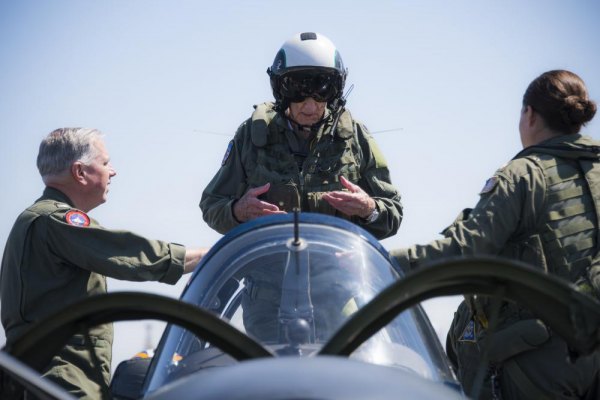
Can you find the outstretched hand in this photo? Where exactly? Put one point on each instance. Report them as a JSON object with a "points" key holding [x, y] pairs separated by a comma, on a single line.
{"points": [[249, 206], [192, 257], [354, 202]]}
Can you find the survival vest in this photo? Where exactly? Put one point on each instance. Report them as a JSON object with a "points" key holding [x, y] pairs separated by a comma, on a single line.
{"points": [[568, 229], [331, 154]]}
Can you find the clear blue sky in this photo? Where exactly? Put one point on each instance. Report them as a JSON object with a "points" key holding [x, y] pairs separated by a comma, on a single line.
{"points": [[158, 76]]}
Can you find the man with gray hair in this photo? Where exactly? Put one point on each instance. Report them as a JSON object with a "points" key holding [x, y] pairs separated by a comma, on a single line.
{"points": [[56, 255]]}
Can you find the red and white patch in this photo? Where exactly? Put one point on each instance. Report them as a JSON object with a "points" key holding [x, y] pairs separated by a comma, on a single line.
{"points": [[77, 218]]}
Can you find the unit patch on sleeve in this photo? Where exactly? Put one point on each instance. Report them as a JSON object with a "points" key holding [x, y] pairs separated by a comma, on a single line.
{"points": [[227, 153], [490, 184], [77, 218]]}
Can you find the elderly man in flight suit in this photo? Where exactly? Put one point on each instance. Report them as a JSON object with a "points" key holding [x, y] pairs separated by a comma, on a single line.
{"points": [[56, 255], [303, 151]]}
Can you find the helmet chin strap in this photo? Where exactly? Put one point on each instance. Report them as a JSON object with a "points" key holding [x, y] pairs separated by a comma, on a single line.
{"points": [[337, 107]]}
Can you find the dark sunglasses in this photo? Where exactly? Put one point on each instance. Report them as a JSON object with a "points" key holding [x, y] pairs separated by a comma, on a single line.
{"points": [[297, 87]]}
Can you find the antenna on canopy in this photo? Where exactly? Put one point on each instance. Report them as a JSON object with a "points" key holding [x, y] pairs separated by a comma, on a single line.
{"points": [[296, 227]]}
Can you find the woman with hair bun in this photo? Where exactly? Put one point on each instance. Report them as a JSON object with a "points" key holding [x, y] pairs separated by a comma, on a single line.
{"points": [[541, 208]]}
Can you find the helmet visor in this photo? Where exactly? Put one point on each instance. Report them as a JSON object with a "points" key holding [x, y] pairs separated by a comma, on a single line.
{"points": [[296, 87]]}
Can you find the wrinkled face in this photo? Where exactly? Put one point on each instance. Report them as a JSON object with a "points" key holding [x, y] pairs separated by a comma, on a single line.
{"points": [[98, 174], [307, 112]]}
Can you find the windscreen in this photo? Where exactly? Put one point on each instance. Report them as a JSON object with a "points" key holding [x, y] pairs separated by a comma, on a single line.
{"points": [[291, 292]]}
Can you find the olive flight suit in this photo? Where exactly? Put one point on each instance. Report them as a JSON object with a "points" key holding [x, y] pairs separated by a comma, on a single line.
{"points": [[56, 255], [541, 208], [265, 149]]}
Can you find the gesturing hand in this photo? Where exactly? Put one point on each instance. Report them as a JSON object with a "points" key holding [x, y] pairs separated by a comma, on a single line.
{"points": [[354, 202], [249, 206]]}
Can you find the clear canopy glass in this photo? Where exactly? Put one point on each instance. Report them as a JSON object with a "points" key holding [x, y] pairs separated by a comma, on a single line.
{"points": [[291, 287]]}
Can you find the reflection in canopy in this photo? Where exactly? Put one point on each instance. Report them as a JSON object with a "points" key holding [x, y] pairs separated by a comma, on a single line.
{"points": [[293, 293]]}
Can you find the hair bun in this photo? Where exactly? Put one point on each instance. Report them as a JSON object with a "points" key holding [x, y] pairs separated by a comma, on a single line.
{"points": [[561, 98], [590, 109], [577, 111]]}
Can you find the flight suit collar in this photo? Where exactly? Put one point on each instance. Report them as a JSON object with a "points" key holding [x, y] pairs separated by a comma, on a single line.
{"points": [[574, 146], [55, 194]]}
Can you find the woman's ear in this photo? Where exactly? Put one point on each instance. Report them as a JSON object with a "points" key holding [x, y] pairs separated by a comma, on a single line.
{"points": [[530, 115]]}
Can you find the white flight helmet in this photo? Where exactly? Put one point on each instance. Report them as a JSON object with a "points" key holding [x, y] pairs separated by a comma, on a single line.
{"points": [[307, 65]]}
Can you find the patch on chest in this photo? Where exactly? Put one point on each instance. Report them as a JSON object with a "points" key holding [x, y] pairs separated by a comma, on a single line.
{"points": [[468, 334]]}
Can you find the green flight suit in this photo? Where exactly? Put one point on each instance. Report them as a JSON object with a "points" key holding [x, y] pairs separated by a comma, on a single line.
{"points": [[56, 255], [541, 208], [262, 151]]}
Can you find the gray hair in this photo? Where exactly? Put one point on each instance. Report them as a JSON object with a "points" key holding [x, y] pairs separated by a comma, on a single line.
{"points": [[62, 147]]}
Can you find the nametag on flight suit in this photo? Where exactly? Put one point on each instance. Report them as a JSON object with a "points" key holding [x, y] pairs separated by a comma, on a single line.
{"points": [[468, 334], [77, 218]]}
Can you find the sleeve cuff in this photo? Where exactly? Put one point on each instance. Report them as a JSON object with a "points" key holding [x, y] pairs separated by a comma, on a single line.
{"points": [[232, 213], [402, 257], [175, 270]]}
